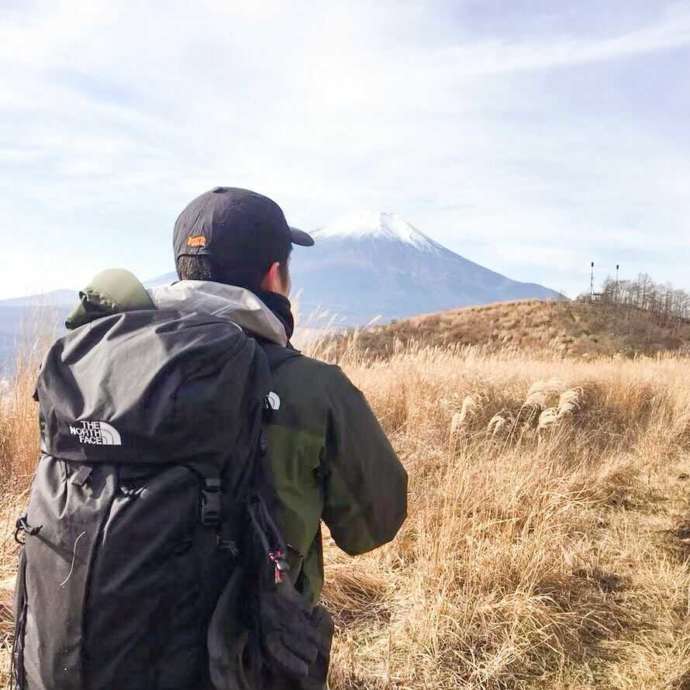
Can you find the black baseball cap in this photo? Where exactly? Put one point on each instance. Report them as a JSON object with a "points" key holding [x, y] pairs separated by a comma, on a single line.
{"points": [[237, 229]]}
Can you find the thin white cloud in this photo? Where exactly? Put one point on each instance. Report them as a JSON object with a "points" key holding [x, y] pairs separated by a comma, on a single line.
{"points": [[672, 30]]}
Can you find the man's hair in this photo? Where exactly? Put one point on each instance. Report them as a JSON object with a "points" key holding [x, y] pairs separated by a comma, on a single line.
{"points": [[201, 267]]}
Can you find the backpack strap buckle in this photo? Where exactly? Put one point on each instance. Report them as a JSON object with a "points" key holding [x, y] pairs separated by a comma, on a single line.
{"points": [[210, 502]]}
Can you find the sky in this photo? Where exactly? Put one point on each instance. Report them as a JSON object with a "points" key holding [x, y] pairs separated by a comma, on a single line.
{"points": [[529, 136]]}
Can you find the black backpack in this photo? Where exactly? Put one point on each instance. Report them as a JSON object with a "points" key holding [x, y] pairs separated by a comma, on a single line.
{"points": [[150, 494]]}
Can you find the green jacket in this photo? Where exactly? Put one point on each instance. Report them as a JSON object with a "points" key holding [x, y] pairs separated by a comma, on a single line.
{"points": [[331, 459]]}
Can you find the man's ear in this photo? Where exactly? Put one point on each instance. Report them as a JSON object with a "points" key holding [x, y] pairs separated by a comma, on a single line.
{"points": [[272, 281]]}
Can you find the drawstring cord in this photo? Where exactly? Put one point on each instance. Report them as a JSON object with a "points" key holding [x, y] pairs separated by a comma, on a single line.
{"points": [[74, 558]]}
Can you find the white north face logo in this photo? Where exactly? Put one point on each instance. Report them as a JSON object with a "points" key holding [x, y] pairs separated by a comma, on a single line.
{"points": [[96, 434]]}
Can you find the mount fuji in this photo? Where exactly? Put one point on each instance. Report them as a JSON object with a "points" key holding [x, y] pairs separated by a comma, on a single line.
{"points": [[373, 264]]}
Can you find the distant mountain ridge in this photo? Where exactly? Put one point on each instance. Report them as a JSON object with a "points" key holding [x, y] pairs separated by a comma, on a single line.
{"points": [[50, 299], [364, 266]]}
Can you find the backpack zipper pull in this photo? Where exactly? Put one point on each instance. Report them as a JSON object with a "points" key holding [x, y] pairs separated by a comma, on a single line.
{"points": [[280, 565]]}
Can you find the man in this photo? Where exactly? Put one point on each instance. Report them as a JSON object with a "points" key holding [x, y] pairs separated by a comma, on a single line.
{"points": [[330, 459]]}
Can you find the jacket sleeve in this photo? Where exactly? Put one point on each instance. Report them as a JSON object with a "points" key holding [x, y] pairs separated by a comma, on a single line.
{"points": [[365, 483]]}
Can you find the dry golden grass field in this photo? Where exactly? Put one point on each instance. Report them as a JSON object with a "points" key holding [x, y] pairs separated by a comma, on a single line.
{"points": [[548, 538]]}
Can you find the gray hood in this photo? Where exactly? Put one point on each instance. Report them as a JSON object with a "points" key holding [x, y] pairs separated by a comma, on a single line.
{"points": [[225, 301]]}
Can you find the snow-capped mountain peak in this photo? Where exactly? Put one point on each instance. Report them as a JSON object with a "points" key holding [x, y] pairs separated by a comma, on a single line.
{"points": [[377, 225]]}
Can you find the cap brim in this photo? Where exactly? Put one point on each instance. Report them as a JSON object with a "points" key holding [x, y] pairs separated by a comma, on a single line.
{"points": [[303, 239]]}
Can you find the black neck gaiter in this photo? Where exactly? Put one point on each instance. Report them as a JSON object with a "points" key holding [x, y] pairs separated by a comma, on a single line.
{"points": [[282, 309]]}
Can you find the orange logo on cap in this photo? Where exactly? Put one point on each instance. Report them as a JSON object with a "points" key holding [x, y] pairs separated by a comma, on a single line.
{"points": [[196, 241]]}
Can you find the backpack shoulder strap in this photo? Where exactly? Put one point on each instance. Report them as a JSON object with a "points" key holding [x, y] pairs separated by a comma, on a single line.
{"points": [[277, 355]]}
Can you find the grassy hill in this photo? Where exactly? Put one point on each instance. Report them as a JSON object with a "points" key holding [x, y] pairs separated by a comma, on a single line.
{"points": [[564, 328]]}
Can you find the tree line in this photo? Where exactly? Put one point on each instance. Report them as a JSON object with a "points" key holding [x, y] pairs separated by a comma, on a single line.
{"points": [[662, 299]]}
